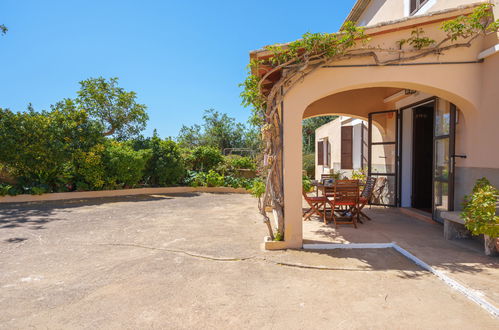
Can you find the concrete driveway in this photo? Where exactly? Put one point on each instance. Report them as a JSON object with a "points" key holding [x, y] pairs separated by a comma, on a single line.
{"points": [[193, 261]]}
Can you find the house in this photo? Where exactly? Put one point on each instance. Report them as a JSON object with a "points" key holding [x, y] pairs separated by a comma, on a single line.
{"points": [[437, 115], [341, 146]]}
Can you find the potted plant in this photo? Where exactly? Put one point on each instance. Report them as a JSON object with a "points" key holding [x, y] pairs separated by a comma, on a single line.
{"points": [[480, 214]]}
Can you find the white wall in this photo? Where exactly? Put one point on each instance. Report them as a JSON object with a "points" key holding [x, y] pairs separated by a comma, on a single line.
{"points": [[331, 131], [406, 175], [357, 143], [379, 11]]}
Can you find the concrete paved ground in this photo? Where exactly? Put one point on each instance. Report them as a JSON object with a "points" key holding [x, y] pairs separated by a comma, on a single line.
{"points": [[146, 262], [462, 260]]}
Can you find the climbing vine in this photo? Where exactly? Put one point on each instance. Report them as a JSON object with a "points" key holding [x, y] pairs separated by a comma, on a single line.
{"points": [[271, 77]]}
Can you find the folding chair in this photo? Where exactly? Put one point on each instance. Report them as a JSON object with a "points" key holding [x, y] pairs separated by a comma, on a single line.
{"points": [[345, 201], [366, 195], [380, 186], [315, 203]]}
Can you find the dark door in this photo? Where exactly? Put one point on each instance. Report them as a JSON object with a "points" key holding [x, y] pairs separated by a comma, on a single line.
{"points": [[422, 173], [383, 156]]}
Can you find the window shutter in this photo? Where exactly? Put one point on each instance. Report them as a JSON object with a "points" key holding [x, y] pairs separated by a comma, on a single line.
{"points": [[346, 147], [328, 153], [320, 153]]}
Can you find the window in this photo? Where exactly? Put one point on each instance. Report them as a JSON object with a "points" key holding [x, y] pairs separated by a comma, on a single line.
{"points": [[323, 152], [416, 5], [347, 147], [320, 153]]}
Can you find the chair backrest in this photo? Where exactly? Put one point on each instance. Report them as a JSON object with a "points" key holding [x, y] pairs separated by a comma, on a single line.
{"points": [[368, 190], [379, 187], [346, 191]]}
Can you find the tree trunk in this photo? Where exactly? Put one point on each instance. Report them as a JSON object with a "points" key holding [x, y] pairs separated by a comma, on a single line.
{"points": [[490, 245]]}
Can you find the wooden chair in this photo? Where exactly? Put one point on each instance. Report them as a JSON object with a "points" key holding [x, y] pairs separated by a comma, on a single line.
{"points": [[345, 201], [315, 203], [366, 195]]}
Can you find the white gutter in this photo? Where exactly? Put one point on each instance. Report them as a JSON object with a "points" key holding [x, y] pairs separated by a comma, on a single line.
{"points": [[489, 52]]}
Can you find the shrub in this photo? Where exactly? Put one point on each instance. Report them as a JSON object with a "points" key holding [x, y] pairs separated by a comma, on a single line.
{"points": [[195, 179], [213, 179], [359, 175], [124, 166], [337, 174], [309, 164], [307, 184], [4, 189], [204, 159], [238, 182], [37, 146], [165, 166], [258, 188], [239, 162], [479, 209], [88, 167]]}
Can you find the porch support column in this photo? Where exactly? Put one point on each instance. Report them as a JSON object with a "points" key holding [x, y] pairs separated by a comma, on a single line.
{"points": [[292, 158]]}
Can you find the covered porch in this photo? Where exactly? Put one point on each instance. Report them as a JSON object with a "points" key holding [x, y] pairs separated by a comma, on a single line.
{"points": [[455, 85]]}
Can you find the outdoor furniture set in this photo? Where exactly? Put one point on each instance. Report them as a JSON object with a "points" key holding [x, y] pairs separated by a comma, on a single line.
{"points": [[341, 201]]}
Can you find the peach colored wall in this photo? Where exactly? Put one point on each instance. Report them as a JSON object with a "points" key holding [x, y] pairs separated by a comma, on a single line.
{"points": [[472, 87]]}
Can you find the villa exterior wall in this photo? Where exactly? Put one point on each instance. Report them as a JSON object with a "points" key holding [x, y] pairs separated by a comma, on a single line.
{"points": [[472, 87], [332, 131], [379, 11], [354, 89]]}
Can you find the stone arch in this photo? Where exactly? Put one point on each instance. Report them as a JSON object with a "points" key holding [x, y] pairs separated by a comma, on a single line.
{"points": [[435, 80]]}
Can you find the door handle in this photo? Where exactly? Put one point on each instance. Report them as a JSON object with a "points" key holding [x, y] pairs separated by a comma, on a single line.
{"points": [[459, 156]]}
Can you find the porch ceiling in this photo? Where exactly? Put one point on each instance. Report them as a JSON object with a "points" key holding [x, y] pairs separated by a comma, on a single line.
{"points": [[355, 103]]}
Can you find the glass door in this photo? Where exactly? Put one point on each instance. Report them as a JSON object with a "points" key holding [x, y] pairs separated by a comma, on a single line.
{"points": [[383, 156], [443, 162]]}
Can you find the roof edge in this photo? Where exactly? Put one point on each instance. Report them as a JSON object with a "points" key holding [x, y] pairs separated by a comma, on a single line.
{"points": [[358, 8], [402, 23]]}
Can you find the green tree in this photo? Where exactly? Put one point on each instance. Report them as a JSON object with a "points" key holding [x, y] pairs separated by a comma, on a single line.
{"points": [[190, 136], [204, 159], [220, 131], [3, 29], [114, 108], [165, 167], [37, 146], [124, 166]]}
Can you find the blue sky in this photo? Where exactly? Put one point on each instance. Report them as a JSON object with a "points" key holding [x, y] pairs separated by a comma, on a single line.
{"points": [[181, 57]]}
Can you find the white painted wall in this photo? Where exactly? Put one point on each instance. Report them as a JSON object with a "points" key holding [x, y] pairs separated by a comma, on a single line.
{"points": [[357, 145], [379, 11], [406, 175], [332, 131]]}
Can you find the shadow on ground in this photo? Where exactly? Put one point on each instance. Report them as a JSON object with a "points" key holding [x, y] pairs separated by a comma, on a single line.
{"points": [[35, 215]]}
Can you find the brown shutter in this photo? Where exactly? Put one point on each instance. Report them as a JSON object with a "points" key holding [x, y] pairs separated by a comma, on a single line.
{"points": [[320, 153], [346, 147], [328, 153]]}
